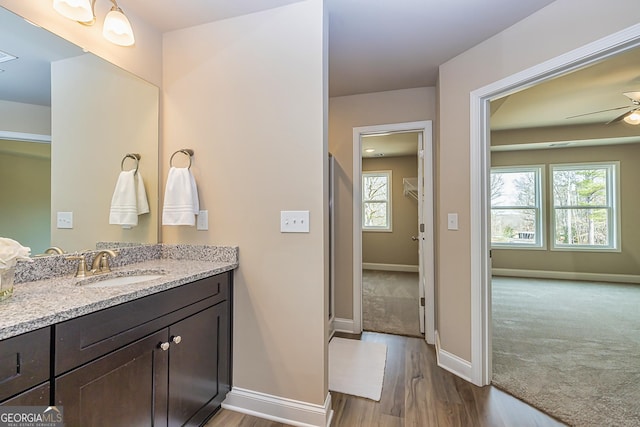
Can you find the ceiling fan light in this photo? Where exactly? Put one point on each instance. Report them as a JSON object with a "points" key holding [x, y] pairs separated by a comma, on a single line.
{"points": [[117, 28], [78, 10], [633, 118]]}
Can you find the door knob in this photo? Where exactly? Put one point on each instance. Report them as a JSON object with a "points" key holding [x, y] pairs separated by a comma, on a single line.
{"points": [[414, 238], [176, 339], [165, 346]]}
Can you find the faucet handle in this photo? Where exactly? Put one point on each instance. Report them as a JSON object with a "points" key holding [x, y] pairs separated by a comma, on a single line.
{"points": [[81, 271]]}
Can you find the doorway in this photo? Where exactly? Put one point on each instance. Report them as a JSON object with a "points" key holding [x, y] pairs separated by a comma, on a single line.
{"points": [[480, 166], [424, 235]]}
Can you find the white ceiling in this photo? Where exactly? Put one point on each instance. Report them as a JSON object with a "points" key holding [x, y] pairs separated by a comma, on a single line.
{"points": [[395, 144], [591, 89], [28, 78], [374, 45]]}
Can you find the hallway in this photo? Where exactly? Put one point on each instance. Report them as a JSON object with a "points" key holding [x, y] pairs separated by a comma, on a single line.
{"points": [[416, 392]]}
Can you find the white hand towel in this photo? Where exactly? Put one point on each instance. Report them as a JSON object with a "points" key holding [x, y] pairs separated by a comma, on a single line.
{"points": [[180, 198], [129, 200], [124, 206], [141, 196]]}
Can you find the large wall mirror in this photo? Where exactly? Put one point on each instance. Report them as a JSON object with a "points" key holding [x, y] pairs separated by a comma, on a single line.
{"points": [[67, 120]]}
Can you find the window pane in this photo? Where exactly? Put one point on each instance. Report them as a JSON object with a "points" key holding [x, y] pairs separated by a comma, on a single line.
{"points": [[375, 214], [580, 187], [513, 188], [375, 188], [582, 227], [513, 226]]}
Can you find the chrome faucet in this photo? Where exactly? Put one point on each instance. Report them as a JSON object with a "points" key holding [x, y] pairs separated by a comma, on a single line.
{"points": [[101, 261]]}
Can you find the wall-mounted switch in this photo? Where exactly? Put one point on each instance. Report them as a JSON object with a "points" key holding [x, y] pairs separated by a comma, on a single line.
{"points": [[202, 221], [452, 221], [65, 220], [294, 221]]}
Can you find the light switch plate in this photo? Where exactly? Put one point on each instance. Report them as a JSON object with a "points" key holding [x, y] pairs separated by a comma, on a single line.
{"points": [[452, 221], [202, 221], [294, 221], [65, 220]]}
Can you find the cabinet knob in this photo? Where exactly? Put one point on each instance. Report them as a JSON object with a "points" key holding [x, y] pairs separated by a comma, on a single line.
{"points": [[165, 346], [176, 339]]}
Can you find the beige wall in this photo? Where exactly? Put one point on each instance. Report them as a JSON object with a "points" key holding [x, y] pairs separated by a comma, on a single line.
{"points": [[143, 59], [395, 247], [625, 262], [25, 118], [345, 113], [552, 31], [99, 114], [25, 170], [255, 118]]}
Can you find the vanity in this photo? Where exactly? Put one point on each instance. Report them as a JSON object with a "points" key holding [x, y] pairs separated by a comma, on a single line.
{"points": [[156, 352]]}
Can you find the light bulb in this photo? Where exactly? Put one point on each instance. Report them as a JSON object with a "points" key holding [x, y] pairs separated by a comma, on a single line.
{"points": [[633, 118], [117, 28], [78, 10]]}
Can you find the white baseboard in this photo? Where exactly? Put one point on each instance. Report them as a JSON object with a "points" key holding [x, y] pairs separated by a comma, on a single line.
{"points": [[279, 409], [344, 325], [452, 363], [390, 267], [566, 275]]}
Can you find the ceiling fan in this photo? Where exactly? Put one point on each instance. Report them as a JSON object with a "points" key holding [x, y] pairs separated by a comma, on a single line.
{"points": [[631, 116]]}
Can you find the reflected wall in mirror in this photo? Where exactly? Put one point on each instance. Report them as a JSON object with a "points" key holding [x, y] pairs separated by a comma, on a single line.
{"points": [[95, 113]]}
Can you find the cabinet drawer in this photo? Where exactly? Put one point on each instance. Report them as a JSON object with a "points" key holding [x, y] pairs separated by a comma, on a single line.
{"points": [[85, 338], [24, 362], [37, 396]]}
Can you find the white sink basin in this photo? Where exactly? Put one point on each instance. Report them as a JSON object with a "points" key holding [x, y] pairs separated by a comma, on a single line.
{"points": [[120, 279]]}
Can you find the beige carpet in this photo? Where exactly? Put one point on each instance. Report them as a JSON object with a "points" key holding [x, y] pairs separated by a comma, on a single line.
{"points": [[571, 349], [390, 302], [357, 367]]}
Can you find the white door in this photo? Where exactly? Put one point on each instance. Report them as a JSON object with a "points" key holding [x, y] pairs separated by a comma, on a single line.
{"points": [[426, 300], [420, 235]]}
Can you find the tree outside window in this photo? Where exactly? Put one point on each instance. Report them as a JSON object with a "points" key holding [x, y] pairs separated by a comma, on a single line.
{"points": [[584, 206], [516, 206], [376, 200]]}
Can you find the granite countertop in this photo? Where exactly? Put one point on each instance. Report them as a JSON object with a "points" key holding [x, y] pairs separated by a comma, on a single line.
{"points": [[40, 303]]}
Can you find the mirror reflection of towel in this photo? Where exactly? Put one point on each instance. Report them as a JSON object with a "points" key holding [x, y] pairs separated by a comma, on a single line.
{"points": [[129, 200], [180, 198]]}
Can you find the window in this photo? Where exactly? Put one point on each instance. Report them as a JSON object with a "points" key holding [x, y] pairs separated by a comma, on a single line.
{"points": [[516, 206], [376, 201], [585, 211]]}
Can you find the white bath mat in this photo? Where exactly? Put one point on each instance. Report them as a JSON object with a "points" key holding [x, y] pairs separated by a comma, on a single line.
{"points": [[357, 367]]}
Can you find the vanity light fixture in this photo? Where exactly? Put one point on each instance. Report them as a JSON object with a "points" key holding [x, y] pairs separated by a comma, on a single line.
{"points": [[116, 28], [633, 118]]}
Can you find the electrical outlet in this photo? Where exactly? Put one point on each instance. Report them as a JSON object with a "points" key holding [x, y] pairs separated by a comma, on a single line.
{"points": [[202, 221], [294, 221], [452, 221], [65, 220]]}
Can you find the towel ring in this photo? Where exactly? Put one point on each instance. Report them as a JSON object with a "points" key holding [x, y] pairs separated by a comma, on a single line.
{"points": [[133, 156], [186, 151]]}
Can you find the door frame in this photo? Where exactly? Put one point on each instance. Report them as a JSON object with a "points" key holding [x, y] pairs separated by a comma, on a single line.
{"points": [[428, 216], [480, 167]]}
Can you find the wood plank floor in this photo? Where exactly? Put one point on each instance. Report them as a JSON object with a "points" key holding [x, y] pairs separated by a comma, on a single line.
{"points": [[416, 393]]}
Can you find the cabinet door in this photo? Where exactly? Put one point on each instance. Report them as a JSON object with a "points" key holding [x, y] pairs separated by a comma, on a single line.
{"points": [[24, 362], [125, 388], [198, 365]]}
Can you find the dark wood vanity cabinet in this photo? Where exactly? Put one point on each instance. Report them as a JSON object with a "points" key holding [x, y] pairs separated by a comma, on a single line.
{"points": [[24, 369], [162, 360], [127, 387]]}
